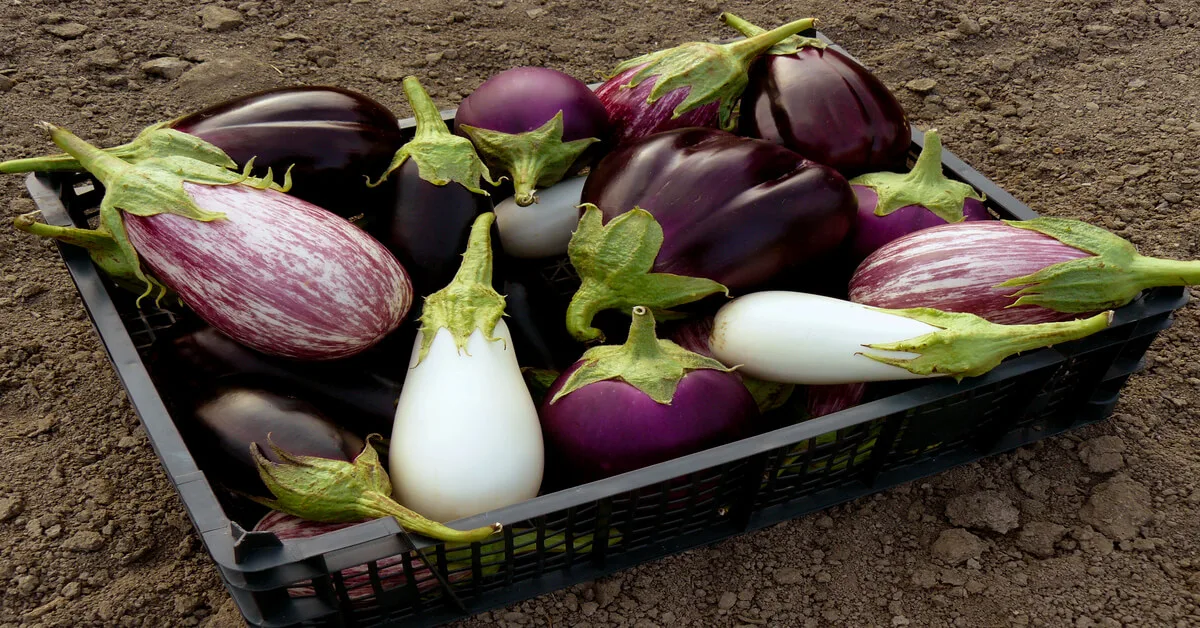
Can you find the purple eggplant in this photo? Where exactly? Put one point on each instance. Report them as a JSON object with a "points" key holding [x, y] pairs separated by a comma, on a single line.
{"points": [[222, 428], [273, 272], [693, 84], [624, 407], [438, 196], [1014, 271], [356, 390], [537, 125], [823, 105], [735, 211], [332, 138], [892, 205]]}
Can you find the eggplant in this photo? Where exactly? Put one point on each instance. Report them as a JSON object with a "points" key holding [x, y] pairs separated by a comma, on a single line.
{"points": [[891, 205], [275, 273], [736, 211], [466, 438], [222, 428], [537, 125], [438, 196], [621, 408], [823, 105], [1014, 271], [332, 138], [693, 84], [543, 230], [798, 338], [359, 393]]}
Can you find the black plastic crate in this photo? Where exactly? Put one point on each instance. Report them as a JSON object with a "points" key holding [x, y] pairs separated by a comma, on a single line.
{"points": [[581, 533]]}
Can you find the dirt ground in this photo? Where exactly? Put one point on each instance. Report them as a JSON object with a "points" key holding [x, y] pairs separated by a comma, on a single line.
{"points": [[1082, 108]]}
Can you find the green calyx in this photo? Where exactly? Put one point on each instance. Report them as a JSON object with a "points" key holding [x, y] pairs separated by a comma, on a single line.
{"points": [[441, 156], [768, 395], [335, 491], [710, 72], [1111, 277], [787, 46], [614, 263], [534, 159], [645, 362], [146, 188], [966, 345], [924, 185], [469, 302], [154, 142], [101, 246]]}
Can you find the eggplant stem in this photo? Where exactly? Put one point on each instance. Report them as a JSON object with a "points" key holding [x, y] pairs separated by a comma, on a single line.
{"points": [[101, 164], [86, 238], [428, 117], [414, 522], [751, 47]]}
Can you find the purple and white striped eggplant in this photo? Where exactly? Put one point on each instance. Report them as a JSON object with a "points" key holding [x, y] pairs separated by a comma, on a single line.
{"points": [[1013, 272], [693, 84], [273, 272]]}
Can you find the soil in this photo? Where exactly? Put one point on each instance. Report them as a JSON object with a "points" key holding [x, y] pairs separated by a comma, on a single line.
{"points": [[1081, 108]]}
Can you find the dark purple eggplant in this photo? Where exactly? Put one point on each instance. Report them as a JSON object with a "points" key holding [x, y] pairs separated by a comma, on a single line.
{"points": [[438, 196], [332, 138], [823, 105], [356, 390], [732, 210], [536, 125], [222, 428]]}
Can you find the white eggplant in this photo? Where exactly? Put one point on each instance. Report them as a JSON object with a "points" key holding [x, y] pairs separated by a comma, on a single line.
{"points": [[799, 338], [466, 437], [543, 229]]}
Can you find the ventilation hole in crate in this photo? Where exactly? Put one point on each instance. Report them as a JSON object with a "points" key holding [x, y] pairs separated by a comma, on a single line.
{"points": [[144, 324], [817, 463]]}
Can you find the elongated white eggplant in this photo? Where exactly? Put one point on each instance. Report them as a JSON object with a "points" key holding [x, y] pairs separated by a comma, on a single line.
{"points": [[466, 437], [544, 229], [801, 338]]}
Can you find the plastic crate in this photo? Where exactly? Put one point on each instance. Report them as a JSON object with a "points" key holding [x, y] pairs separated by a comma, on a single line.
{"points": [[695, 500]]}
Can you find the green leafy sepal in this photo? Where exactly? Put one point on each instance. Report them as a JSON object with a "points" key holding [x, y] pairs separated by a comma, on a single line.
{"points": [[924, 185], [468, 302], [710, 72], [336, 491], [534, 159], [441, 156], [614, 263], [645, 362], [966, 345]]}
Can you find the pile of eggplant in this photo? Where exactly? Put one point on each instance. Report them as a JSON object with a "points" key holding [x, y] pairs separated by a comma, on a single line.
{"points": [[563, 284]]}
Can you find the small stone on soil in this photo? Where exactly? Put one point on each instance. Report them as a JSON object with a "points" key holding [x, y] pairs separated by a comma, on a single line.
{"points": [[921, 85], [956, 545], [984, 510], [219, 19], [70, 30], [167, 67]]}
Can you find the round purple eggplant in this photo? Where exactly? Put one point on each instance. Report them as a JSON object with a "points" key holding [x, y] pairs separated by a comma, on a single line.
{"points": [[892, 205], [620, 408], [537, 125], [823, 105]]}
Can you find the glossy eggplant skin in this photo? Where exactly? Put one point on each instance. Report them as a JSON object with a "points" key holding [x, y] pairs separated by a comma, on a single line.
{"points": [[825, 106], [428, 226], [736, 210], [334, 137], [224, 426], [359, 394]]}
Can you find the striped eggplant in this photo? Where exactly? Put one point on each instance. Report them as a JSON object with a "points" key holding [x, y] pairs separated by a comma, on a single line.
{"points": [[693, 84], [271, 271], [1013, 272]]}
